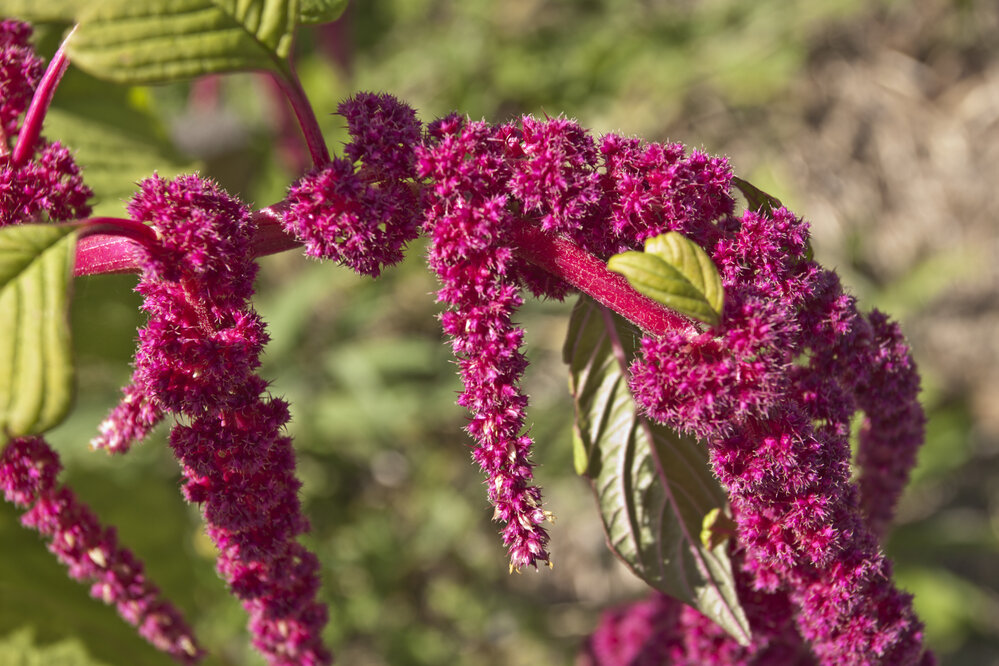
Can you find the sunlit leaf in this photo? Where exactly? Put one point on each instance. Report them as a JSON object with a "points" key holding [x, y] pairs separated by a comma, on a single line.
{"points": [[654, 487], [315, 12], [154, 41], [676, 272], [115, 141], [36, 369], [41, 10]]}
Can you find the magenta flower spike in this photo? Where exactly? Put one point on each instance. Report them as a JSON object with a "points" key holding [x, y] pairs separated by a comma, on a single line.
{"points": [[90, 552], [20, 72], [771, 388], [470, 228], [196, 360], [777, 433], [362, 211]]}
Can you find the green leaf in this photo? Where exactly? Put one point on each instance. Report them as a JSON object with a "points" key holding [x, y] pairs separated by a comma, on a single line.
{"points": [[116, 138], [315, 12], [156, 41], [676, 272], [37, 10], [654, 487], [756, 199], [21, 649], [36, 369]]}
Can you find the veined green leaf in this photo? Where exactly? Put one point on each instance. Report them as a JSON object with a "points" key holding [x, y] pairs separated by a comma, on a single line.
{"points": [[155, 41], [653, 486], [115, 138], [315, 12], [36, 369], [39, 10], [676, 272]]}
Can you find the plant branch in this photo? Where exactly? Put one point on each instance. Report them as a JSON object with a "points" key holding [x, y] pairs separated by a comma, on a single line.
{"points": [[108, 246], [590, 275], [292, 88], [35, 115]]}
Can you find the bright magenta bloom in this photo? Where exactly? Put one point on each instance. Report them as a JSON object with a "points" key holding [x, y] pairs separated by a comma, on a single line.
{"points": [[196, 360]]}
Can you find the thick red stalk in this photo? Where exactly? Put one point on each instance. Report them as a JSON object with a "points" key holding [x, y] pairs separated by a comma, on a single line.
{"points": [[292, 88], [590, 275], [35, 115], [108, 247]]}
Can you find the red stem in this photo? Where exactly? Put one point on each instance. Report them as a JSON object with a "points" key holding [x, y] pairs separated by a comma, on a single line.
{"points": [[590, 275], [33, 118], [292, 88], [108, 245]]}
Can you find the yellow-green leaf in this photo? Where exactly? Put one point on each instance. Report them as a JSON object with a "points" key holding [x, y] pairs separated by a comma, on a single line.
{"points": [[676, 272], [315, 12], [155, 41], [36, 369]]}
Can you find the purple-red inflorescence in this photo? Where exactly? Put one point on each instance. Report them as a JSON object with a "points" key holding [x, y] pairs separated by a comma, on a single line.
{"points": [[362, 211], [50, 181], [469, 224], [28, 471], [20, 71], [772, 391], [196, 360]]}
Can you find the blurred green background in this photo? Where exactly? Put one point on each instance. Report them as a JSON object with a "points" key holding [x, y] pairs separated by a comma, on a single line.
{"points": [[878, 121]]}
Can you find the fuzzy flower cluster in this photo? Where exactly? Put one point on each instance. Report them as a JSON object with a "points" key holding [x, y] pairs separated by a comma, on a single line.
{"points": [[196, 360], [49, 182], [779, 441], [772, 390], [28, 471], [470, 224], [361, 211]]}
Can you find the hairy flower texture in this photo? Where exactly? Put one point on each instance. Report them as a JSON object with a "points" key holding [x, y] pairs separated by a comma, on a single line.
{"points": [[469, 226], [894, 426], [554, 173], [196, 360], [651, 188], [28, 471], [50, 181], [772, 390], [20, 71], [131, 420], [361, 211]]}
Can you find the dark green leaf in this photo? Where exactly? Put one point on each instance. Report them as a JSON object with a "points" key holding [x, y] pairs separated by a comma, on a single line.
{"points": [[315, 12], [155, 41], [756, 199], [676, 272], [36, 369], [654, 487]]}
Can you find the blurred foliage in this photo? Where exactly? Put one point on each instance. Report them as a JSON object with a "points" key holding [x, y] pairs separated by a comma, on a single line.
{"points": [[414, 571]]}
